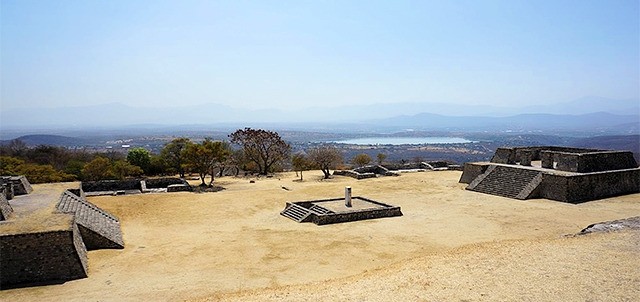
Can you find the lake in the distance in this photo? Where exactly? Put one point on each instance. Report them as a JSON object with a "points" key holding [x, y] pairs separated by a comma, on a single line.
{"points": [[404, 140]]}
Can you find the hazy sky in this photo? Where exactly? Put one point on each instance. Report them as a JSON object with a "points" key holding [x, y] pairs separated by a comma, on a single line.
{"points": [[307, 53]]}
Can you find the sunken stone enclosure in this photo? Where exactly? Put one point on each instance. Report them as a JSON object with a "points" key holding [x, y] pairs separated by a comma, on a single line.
{"points": [[44, 237], [338, 210], [135, 186], [570, 175]]}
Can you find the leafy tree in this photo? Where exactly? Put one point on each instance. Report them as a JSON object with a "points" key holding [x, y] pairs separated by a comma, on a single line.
{"points": [[202, 158], [43, 173], [381, 157], [121, 169], [48, 155], [10, 165], [158, 165], [300, 162], [74, 167], [173, 154], [139, 157], [262, 147], [325, 158], [361, 159], [97, 169]]}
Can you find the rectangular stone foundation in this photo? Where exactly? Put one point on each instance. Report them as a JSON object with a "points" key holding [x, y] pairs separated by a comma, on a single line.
{"points": [[329, 211], [42, 257]]}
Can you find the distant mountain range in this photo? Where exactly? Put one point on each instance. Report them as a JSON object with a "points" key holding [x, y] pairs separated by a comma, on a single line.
{"points": [[405, 114], [592, 122]]}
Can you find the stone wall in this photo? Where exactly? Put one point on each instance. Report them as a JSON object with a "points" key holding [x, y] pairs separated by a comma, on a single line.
{"points": [[6, 211], [354, 216], [155, 183], [179, 188], [590, 186], [99, 229], [354, 174], [471, 171], [46, 257], [504, 156], [588, 162], [524, 155], [6, 189], [130, 185], [110, 185], [607, 160], [21, 185]]}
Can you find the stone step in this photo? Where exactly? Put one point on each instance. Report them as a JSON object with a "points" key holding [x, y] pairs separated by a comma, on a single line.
{"points": [[295, 212], [99, 222], [320, 210], [505, 181]]}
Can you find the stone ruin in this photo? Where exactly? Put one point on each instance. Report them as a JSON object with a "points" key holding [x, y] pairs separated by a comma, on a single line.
{"points": [[15, 185], [45, 235], [572, 175], [373, 171], [338, 210], [135, 186]]}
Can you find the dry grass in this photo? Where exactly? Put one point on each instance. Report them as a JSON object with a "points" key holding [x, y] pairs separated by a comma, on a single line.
{"points": [[451, 244]]}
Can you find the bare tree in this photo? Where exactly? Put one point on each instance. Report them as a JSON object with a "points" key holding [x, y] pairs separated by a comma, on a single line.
{"points": [[299, 162], [361, 159], [325, 158], [262, 147]]}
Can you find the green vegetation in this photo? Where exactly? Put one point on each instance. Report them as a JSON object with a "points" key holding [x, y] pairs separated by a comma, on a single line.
{"points": [[266, 149], [361, 159]]}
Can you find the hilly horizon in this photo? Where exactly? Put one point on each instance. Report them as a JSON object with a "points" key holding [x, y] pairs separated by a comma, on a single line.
{"points": [[401, 114]]}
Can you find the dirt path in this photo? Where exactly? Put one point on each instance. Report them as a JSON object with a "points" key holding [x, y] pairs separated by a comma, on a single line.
{"points": [[184, 246]]}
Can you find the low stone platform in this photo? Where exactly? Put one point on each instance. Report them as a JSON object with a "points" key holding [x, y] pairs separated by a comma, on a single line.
{"points": [[334, 210], [45, 239]]}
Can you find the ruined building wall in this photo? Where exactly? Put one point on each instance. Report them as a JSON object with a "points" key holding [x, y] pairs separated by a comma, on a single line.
{"points": [[110, 185], [45, 257], [602, 161], [21, 185], [5, 208], [471, 171], [590, 186]]}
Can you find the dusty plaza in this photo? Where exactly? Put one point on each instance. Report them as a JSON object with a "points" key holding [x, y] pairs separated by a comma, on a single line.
{"points": [[450, 244]]}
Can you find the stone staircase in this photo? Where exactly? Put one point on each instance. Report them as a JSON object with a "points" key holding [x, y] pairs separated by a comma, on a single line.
{"points": [[320, 210], [296, 212], [98, 228], [507, 182]]}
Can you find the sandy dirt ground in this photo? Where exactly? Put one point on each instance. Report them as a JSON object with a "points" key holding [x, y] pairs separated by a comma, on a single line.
{"points": [[451, 244]]}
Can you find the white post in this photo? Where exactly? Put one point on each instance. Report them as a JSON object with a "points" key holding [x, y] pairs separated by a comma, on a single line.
{"points": [[347, 196]]}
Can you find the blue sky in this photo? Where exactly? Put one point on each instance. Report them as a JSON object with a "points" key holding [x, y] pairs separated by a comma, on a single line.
{"points": [[284, 54]]}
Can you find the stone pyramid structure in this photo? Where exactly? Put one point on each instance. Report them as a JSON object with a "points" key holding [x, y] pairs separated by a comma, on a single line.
{"points": [[566, 174], [99, 229]]}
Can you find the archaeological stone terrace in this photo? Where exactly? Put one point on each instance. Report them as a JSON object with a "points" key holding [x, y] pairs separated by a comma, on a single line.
{"points": [[45, 234], [572, 175], [338, 210]]}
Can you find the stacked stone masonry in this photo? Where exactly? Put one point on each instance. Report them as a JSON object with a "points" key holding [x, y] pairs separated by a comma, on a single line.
{"points": [[39, 250], [99, 229], [313, 211], [564, 174], [42, 257], [134, 186], [372, 171], [5, 208], [21, 185]]}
